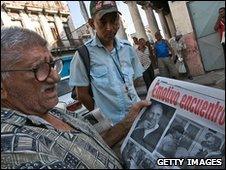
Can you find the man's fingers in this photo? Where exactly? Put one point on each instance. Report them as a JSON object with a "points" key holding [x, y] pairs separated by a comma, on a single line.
{"points": [[139, 105]]}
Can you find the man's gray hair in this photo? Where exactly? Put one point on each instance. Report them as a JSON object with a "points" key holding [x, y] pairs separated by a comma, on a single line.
{"points": [[14, 41]]}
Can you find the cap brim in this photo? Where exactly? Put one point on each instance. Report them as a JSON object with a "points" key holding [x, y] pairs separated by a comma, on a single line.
{"points": [[106, 11]]}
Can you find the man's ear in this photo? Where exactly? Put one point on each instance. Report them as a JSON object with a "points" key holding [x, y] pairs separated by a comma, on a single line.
{"points": [[91, 23], [3, 92]]}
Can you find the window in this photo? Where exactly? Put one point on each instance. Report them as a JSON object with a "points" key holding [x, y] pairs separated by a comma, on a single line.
{"points": [[55, 34], [17, 23], [38, 28]]}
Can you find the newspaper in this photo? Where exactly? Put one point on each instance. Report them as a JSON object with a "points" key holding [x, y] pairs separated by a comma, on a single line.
{"points": [[98, 120], [95, 117], [184, 127]]}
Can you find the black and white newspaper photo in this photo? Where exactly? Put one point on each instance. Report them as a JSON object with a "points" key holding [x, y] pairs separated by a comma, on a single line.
{"points": [[151, 125], [184, 127]]}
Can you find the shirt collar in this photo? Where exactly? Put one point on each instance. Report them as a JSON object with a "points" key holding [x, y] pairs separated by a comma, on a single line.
{"points": [[96, 42], [147, 131], [22, 119]]}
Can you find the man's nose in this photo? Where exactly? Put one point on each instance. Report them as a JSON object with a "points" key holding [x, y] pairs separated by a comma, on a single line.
{"points": [[108, 26], [53, 76]]}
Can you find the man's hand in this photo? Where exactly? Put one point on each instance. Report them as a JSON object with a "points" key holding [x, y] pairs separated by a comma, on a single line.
{"points": [[84, 97], [120, 130], [134, 111]]}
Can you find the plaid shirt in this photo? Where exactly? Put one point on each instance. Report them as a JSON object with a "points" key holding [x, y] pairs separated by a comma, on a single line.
{"points": [[29, 142]]}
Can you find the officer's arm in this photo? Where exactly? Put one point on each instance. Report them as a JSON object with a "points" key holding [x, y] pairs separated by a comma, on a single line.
{"points": [[84, 97]]}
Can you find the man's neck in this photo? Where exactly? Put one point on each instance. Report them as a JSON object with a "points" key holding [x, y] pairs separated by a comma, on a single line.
{"points": [[109, 45], [21, 108]]}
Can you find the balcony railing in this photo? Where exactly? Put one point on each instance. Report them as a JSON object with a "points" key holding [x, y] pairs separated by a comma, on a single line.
{"points": [[59, 47]]}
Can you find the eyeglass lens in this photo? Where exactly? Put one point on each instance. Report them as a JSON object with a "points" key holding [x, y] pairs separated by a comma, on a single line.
{"points": [[44, 69], [58, 66]]}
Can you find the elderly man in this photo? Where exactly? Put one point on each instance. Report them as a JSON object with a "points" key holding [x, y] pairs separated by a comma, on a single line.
{"points": [[33, 133], [179, 46]]}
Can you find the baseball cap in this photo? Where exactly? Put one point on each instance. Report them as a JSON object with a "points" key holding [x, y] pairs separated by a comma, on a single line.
{"points": [[102, 7]]}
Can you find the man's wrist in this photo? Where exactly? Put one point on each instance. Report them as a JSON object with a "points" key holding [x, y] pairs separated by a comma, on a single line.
{"points": [[125, 127]]}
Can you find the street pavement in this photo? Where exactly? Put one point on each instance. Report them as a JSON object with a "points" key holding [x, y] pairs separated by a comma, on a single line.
{"points": [[214, 79]]}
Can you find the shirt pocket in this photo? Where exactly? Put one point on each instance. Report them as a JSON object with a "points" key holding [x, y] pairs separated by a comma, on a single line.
{"points": [[128, 72], [100, 75]]}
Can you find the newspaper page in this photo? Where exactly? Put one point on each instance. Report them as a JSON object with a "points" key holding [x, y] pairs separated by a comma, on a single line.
{"points": [[183, 128], [98, 120], [95, 117]]}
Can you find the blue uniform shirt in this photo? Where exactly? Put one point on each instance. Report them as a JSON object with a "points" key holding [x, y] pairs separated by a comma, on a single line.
{"points": [[109, 89]]}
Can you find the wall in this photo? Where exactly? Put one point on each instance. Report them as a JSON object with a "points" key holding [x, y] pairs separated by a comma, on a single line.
{"points": [[183, 23]]}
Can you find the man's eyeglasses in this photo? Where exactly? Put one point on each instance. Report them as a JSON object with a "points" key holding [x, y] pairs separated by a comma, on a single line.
{"points": [[43, 70]]}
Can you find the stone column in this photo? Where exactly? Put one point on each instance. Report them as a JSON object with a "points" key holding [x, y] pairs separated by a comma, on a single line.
{"points": [[6, 20], [164, 24], [60, 29], [26, 21], [121, 32], [152, 23], [171, 25], [72, 27], [85, 16], [46, 29], [139, 27]]}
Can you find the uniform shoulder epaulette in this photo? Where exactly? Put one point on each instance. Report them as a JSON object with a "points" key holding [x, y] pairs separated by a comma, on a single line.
{"points": [[88, 42]]}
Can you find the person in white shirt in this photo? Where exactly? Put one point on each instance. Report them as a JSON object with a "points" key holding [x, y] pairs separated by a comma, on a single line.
{"points": [[145, 58], [179, 47]]}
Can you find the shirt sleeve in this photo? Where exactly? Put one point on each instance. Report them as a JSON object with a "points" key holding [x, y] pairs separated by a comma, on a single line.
{"points": [[137, 67], [78, 75]]}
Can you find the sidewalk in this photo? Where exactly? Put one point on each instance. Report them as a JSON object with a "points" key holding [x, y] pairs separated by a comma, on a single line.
{"points": [[214, 79]]}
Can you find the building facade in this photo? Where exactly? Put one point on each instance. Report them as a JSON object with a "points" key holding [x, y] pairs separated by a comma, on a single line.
{"points": [[84, 32], [196, 20], [50, 19]]}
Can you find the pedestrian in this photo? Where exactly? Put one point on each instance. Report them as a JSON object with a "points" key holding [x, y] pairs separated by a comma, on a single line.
{"points": [[135, 42], [150, 44], [179, 47], [114, 66], [165, 56], [220, 27], [145, 59], [34, 133]]}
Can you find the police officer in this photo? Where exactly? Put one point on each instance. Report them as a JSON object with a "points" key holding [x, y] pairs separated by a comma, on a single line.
{"points": [[114, 66]]}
